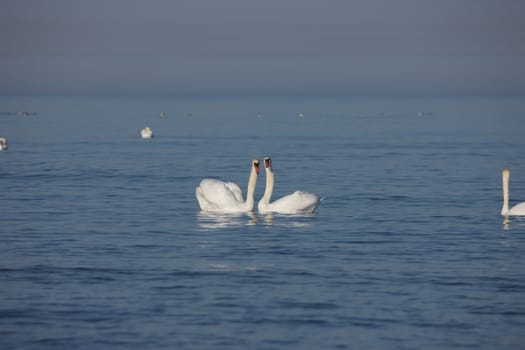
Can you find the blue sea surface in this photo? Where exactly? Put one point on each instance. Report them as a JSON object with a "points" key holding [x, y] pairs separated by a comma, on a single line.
{"points": [[103, 244]]}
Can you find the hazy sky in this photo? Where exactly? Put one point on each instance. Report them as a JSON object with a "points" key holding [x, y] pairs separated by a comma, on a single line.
{"points": [[277, 48]]}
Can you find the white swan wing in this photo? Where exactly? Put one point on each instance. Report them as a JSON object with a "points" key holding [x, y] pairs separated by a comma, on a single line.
{"points": [[235, 190], [517, 210], [296, 203], [216, 195]]}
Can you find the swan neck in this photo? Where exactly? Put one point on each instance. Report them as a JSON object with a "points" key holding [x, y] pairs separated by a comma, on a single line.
{"points": [[269, 186], [252, 181], [505, 182]]}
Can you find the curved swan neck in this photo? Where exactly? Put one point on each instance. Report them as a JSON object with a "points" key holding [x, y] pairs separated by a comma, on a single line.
{"points": [[269, 185], [505, 175], [252, 181]]}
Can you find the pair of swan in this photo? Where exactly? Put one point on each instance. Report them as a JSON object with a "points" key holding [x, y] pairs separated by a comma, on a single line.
{"points": [[226, 197], [518, 209]]}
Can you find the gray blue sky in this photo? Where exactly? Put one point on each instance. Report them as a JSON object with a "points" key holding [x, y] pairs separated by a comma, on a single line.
{"points": [[262, 48]]}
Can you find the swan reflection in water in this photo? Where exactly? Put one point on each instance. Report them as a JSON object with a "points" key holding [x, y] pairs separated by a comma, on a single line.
{"points": [[213, 221], [514, 221], [286, 220]]}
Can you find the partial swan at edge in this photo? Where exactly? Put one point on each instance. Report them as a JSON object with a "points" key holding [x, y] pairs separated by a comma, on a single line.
{"points": [[3, 143], [226, 197], [295, 203], [518, 209]]}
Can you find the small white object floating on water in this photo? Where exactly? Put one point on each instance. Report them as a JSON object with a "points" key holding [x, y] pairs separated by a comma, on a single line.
{"points": [[3, 143], [146, 133]]}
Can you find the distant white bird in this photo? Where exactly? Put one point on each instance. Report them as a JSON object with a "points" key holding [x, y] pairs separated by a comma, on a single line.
{"points": [[226, 197], [3, 143], [146, 133], [295, 203], [518, 209]]}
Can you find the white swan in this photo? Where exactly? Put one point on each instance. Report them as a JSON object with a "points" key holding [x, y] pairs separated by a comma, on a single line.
{"points": [[518, 209], [226, 197], [295, 203], [3, 143], [146, 133]]}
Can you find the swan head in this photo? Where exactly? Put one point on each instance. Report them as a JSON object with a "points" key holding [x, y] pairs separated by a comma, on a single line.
{"points": [[267, 162], [255, 165]]}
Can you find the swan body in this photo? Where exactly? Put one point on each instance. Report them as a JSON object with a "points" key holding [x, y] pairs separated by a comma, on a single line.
{"points": [[146, 133], [295, 203], [226, 197], [3, 143], [518, 209]]}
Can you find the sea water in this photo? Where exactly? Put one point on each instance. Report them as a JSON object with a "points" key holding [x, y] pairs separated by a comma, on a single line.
{"points": [[103, 244]]}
